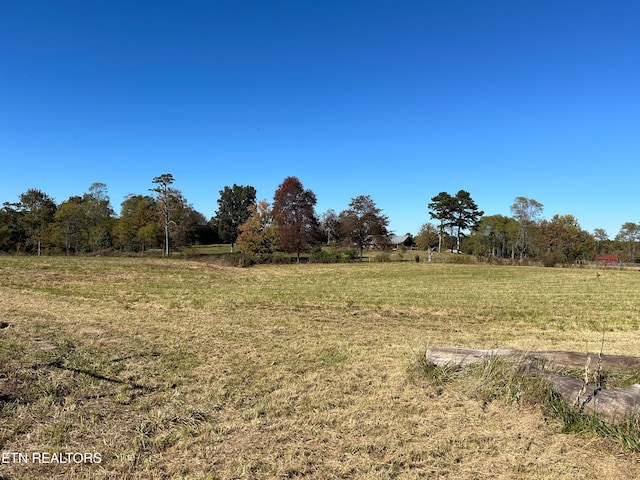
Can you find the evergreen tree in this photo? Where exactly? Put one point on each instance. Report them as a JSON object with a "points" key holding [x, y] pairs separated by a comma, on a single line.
{"points": [[165, 199], [234, 210]]}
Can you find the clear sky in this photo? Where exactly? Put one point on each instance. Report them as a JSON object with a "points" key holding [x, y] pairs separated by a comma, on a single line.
{"points": [[395, 99]]}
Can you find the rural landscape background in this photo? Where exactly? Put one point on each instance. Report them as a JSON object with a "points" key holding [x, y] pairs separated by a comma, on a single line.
{"points": [[230, 231], [163, 219], [128, 340]]}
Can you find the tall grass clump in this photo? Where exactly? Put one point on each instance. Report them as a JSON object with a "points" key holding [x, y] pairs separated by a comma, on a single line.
{"points": [[625, 434], [421, 369], [498, 379], [495, 379]]}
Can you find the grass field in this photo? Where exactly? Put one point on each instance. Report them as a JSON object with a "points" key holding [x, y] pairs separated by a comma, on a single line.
{"points": [[185, 369]]}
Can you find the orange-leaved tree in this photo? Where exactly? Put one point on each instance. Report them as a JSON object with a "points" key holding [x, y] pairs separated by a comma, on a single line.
{"points": [[258, 235]]}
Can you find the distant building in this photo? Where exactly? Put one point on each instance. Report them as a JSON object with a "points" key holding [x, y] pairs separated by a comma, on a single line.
{"points": [[398, 240], [607, 258]]}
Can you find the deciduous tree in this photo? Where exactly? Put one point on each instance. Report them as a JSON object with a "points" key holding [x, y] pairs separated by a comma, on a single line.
{"points": [[500, 234], [11, 231], [629, 234], [186, 222], [559, 235], [37, 210], [71, 225], [294, 215], [526, 211], [602, 238], [330, 226], [258, 235], [364, 224], [137, 228], [99, 216], [428, 237]]}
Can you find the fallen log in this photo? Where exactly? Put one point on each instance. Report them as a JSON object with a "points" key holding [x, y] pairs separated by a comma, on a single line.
{"points": [[552, 359], [612, 405]]}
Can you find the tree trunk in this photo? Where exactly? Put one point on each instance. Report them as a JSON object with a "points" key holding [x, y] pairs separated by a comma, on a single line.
{"points": [[166, 240], [612, 405]]}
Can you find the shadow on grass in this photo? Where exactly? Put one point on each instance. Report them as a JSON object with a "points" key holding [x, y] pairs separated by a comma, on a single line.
{"points": [[136, 386]]}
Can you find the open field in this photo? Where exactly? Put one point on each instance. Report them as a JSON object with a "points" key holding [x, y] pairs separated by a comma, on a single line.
{"points": [[184, 369]]}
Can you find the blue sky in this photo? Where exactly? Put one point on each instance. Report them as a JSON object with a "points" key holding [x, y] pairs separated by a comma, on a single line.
{"points": [[399, 100]]}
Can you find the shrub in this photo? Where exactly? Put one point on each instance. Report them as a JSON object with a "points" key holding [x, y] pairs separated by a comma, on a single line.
{"points": [[398, 255], [551, 259], [351, 254], [323, 256], [493, 260], [461, 259], [383, 257], [280, 258]]}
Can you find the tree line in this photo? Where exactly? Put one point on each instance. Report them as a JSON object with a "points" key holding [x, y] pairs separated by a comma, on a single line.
{"points": [[525, 235], [290, 224], [87, 223], [164, 221]]}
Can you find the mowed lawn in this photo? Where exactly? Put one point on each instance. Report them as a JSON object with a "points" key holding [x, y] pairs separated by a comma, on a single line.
{"points": [[185, 369]]}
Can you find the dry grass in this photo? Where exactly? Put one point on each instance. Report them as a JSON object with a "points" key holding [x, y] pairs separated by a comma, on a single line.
{"points": [[176, 369]]}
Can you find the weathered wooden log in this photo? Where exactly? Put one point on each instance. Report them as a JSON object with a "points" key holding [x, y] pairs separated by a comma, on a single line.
{"points": [[462, 357], [612, 405], [551, 359]]}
